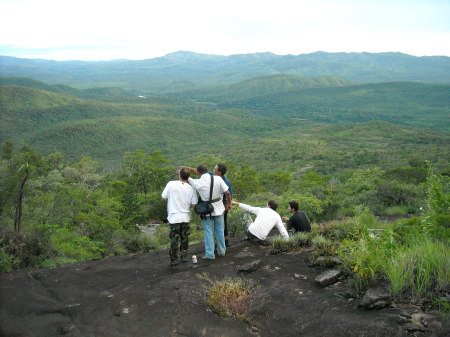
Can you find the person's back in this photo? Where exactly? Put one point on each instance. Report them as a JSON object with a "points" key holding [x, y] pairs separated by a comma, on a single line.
{"points": [[299, 222], [266, 219], [180, 197]]}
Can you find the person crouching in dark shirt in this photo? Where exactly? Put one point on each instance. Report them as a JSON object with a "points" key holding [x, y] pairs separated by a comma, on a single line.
{"points": [[299, 221]]}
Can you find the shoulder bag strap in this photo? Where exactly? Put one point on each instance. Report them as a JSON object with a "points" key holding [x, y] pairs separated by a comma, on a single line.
{"points": [[211, 188]]}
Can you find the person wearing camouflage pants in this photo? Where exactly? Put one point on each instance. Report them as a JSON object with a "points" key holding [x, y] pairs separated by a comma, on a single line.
{"points": [[179, 232], [179, 196]]}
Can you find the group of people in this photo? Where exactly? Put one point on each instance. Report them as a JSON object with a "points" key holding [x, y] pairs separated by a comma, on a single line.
{"points": [[181, 195]]}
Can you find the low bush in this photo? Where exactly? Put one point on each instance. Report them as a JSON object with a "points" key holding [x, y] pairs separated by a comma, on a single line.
{"points": [[230, 297], [420, 269], [72, 246], [7, 261], [296, 241]]}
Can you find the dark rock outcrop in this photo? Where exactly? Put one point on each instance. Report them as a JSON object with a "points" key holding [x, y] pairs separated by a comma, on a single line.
{"points": [[140, 295]]}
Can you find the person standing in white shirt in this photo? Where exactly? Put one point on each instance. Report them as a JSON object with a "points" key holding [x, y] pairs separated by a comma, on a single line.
{"points": [[214, 223], [180, 196], [266, 219]]}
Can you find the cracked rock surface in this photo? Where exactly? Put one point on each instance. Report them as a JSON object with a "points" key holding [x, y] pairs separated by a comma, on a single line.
{"points": [[141, 295]]}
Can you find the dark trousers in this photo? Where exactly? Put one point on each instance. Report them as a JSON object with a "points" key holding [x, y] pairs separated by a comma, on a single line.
{"points": [[179, 232], [225, 230]]}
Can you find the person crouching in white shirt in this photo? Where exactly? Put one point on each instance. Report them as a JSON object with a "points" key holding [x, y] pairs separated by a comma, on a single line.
{"points": [[266, 219]]}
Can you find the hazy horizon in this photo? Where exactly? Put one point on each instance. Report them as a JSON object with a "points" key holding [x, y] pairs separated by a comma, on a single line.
{"points": [[94, 30]]}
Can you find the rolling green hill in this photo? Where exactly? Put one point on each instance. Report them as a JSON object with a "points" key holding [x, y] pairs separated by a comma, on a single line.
{"points": [[105, 130], [260, 86], [415, 104], [24, 109]]}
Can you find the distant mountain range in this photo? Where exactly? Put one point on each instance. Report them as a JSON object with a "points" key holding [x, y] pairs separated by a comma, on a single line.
{"points": [[182, 71]]}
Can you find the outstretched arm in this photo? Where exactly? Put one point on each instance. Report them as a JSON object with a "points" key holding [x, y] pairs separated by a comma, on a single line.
{"points": [[191, 169], [246, 207], [282, 230]]}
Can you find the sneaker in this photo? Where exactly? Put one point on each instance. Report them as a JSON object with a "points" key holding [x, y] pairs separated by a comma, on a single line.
{"points": [[173, 263], [208, 258]]}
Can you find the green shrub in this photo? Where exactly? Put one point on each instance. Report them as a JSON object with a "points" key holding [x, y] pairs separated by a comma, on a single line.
{"points": [[364, 259], [7, 261], [300, 240], [319, 241], [76, 247], [279, 245], [398, 210], [407, 229], [322, 246], [142, 243], [54, 261], [420, 269], [295, 242]]}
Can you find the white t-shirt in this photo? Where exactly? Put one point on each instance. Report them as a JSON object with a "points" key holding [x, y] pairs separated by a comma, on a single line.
{"points": [[202, 186], [180, 197], [266, 219]]}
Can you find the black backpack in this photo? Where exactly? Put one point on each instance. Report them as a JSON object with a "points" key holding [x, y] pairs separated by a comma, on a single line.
{"points": [[204, 208]]}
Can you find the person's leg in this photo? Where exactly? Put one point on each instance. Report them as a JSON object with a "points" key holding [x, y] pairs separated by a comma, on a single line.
{"points": [[218, 228], [174, 235], [208, 227], [246, 222], [184, 240], [225, 228]]}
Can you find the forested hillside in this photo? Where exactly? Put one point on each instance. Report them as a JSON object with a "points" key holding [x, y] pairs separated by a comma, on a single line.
{"points": [[262, 130], [259, 86]]}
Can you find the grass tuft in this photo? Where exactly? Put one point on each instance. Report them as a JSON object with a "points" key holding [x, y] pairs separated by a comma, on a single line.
{"points": [[230, 297]]}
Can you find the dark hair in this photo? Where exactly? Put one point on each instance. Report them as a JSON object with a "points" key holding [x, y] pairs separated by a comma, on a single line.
{"points": [[294, 205], [272, 204], [184, 173], [222, 168], [202, 169]]}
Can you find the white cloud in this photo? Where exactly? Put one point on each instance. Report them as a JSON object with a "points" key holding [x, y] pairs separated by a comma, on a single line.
{"points": [[137, 29]]}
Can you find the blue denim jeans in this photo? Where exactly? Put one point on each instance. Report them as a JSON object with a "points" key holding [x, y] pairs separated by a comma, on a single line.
{"points": [[211, 226]]}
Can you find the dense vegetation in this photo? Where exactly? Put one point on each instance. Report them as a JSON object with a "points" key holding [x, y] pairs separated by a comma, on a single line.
{"points": [[266, 133]]}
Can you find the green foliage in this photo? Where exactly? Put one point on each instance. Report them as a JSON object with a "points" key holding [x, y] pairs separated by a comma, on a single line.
{"points": [[420, 269], [143, 243], [365, 259], [421, 104], [7, 261], [74, 246], [296, 242], [436, 216]]}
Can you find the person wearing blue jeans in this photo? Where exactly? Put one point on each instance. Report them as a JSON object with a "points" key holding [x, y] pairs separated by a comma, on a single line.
{"points": [[213, 225]]}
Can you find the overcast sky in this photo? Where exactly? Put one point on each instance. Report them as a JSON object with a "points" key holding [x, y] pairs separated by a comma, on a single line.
{"points": [[142, 29]]}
